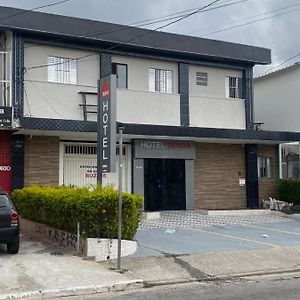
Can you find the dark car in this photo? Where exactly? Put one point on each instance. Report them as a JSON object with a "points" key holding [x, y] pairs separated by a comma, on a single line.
{"points": [[9, 224]]}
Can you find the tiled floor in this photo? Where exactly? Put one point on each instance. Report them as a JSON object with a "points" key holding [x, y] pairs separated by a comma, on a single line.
{"points": [[196, 219]]}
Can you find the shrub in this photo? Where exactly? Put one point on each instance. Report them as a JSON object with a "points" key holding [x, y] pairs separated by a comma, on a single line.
{"points": [[289, 191], [96, 210]]}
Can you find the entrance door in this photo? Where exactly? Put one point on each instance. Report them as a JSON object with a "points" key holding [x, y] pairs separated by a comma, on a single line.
{"points": [[164, 184]]}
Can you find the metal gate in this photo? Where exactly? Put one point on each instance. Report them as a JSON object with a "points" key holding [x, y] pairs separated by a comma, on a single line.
{"points": [[80, 166]]}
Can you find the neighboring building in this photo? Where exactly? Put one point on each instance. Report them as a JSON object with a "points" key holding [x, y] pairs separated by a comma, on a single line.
{"points": [[277, 107], [186, 104]]}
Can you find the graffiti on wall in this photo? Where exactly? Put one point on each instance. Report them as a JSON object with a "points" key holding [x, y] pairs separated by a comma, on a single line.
{"points": [[60, 237]]}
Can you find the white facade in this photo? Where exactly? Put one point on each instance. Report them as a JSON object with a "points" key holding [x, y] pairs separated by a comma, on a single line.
{"points": [[209, 106], [276, 100]]}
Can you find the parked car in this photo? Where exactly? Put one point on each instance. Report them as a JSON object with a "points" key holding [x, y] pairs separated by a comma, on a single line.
{"points": [[9, 224]]}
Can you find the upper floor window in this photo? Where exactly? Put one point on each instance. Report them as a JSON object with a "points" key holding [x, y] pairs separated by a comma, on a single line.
{"points": [[121, 71], [264, 167], [201, 78], [233, 87], [160, 81], [62, 70]]}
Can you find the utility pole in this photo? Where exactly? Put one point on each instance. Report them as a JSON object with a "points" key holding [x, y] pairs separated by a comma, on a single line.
{"points": [[120, 197]]}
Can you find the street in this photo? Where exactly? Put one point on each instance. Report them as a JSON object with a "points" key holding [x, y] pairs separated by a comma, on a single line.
{"points": [[277, 289]]}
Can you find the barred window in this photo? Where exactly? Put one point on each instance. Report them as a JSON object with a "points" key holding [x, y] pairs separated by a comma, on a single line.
{"points": [[233, 87], [62, 70], [81, 149], [264, 167], [160, 81]]}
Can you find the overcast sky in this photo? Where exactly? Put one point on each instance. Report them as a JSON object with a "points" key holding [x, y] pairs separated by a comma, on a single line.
{"points": [[279, 33]]}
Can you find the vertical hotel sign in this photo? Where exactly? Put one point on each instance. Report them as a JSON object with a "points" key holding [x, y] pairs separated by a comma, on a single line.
{"points": [[106, 123]]}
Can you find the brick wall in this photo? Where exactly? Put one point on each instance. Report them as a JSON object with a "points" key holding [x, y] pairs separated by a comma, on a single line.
{"points": [[41, 161], [267, 186], [218, 168]]}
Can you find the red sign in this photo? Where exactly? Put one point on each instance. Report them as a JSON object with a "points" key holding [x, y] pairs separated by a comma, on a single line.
{"points": [[5, 161], [105, 89]]}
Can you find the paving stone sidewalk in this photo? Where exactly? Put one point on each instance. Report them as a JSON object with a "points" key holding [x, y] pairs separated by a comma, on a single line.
{"points": [[196, 219]]}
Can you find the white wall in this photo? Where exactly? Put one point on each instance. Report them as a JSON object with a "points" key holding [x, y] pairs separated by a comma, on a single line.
{"points": [[216, 81], [217, 113], [208, 105], [277, 100], [148, 107], [6, 41], [45, 99], [138, 71]]}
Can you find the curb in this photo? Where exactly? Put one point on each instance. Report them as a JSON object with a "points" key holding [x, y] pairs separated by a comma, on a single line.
{"points": [[76, 291], [211, 278]]}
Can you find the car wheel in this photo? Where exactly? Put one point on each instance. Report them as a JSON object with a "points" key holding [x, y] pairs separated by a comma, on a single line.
{"points": [[13, 248]]}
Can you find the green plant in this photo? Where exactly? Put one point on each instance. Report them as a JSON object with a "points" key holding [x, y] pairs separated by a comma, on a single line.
{"points": [[289, 191], [96, 210]]}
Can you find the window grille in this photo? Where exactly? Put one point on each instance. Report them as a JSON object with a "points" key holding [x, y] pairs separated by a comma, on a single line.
{"points": [[233, 87], [160, 81], [62, 70]]}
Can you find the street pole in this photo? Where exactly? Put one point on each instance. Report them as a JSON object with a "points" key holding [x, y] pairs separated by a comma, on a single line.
{"points": [[120, 197]]}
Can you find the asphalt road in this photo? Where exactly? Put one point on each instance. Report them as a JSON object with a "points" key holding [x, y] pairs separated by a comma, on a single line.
{"points": [[188, 232], [288, 289]]}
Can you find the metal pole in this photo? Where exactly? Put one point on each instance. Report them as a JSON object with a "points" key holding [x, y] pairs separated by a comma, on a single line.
{"points": [[99, 147], [78, 238], [120, 197]]}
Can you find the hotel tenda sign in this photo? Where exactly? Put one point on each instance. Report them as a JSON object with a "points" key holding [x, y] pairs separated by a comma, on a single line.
{"points": [[5, 117], [164, 149], [106, 140]]}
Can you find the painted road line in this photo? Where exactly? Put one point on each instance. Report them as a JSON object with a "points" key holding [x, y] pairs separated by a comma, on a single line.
{"points": [[235, 237], [271, 229]]}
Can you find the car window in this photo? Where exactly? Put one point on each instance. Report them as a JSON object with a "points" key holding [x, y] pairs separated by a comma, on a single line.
{"points": [[5, 202]]}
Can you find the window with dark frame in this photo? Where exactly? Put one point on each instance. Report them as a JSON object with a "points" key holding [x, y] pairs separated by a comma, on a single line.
{"points": [[264, 167], [201, 78], [233, 87], [121, 72]]}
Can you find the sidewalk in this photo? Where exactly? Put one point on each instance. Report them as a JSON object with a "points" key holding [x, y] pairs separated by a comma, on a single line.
{"points": [[211, 266], [43, 270]]}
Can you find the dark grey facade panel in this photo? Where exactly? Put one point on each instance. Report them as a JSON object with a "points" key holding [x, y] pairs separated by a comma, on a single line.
{"points": [[217, 133], [159, 130], [17, 153], [124, 36], [183, 90], [18, 74], [251, 176], [105, 64], [58, 125], [248, 95]]}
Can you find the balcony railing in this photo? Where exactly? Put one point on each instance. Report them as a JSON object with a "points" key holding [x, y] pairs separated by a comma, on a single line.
{"points": [[87, 108]]}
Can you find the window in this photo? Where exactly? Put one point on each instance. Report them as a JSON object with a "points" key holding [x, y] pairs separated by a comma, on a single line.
{"points": [[201, 78], [121, 71], [160, 81], [264, 166], [62, 70], [233, 87]]}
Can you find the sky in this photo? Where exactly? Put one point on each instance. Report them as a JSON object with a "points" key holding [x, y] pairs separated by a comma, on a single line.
{"points": [[272, 24]]}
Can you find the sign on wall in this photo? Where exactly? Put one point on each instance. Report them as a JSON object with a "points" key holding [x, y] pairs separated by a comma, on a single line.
{"points": [[106, 136], [5, 117], [164, 149]]}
